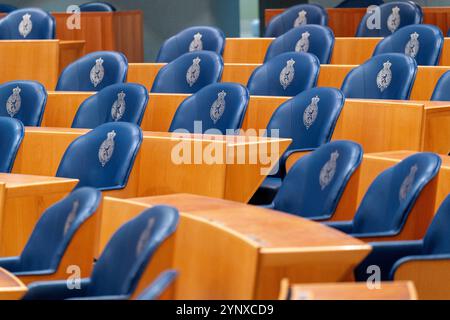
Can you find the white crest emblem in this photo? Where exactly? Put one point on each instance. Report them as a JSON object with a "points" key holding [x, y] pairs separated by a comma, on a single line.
{"points": [[393, 21], [328, 170], [303, 43], [407, 183], [14, 102], [193, 72], [26, 25], [106, 148], [145, 236], [218, 107], [118, 107], [197, 43], [311, 111], [413, 45], [97, 72], [384, 77], [287, 74], [301, 19], [71, 217]]}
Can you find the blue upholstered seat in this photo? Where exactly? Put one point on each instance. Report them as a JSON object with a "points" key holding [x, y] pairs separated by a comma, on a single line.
{"points": [[98, 6], [94, 72], [6, 8], [393, 16], [23, 100], [192, 39], [287, 74], [296, 16], [27, 24], [156, 289], [442, 90], [423, 42], [119, 102], [384, 76], [312, 38], [216, 108], [122, 262], [102, 158], [11, 135]]}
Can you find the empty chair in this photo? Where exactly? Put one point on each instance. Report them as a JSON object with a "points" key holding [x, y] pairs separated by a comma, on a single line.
{"points": [[119, 102], [192, 39], [442, 90], [103, 157], [11, 135], [23, 100], [385, 76], [97, 7], [6, 8], [315, 39], [27, 24], [287, 74], [94, 72], [296, 16], [189, 73], [388, 18], [423, 42], [157, 288], [391, 197], [218, 106], [121, 264]]}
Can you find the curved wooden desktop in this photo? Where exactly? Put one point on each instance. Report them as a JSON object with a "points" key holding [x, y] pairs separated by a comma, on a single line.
{"points": [[11, 288]]}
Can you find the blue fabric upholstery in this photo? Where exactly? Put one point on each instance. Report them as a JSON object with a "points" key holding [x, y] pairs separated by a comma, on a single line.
{"points": [[94, 72], [23, 100], [102, 158], [6, 8], [119, 102], [295, 16], [156, 289], [407, 11], [11, 135], [359, 3], [189, 73], [371, 80], [442, 90], [97, 7], [27, 24], [192, 39], [122, 262], [53, 233], [216, 108], [312, 38], [287, 74], [422, 42]]}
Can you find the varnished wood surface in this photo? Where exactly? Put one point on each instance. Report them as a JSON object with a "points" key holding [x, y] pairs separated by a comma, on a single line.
{"points": [[11, 288]]}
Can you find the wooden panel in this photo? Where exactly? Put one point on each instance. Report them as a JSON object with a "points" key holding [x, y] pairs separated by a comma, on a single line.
{"points": [[11, 288], [353, 50], [437, 128], [143, 73], [246, 50], [69, 51]]}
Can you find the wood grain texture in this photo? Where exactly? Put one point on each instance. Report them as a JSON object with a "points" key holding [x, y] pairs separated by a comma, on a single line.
{"points": [[11, 288]]}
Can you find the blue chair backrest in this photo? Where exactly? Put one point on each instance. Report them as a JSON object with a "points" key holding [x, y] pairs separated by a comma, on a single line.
{"points": [[192, 39], [97, 7], [442, 90], [189, 73], [437, 240], [392, 195], [102, 158], [385, 76], [27, 24], [358, 3], [6, 8], [156, 289], [316, 182], [94, 72], [391, 16], [130, 250], [23, 100], [11, 135], [119, 102], [312, 38], [219, 106], [56, 227], [296, 16], [422, 42]]}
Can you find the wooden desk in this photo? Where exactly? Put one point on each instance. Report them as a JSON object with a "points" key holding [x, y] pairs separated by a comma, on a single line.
{"points": [[236, 251], [11, 288]]}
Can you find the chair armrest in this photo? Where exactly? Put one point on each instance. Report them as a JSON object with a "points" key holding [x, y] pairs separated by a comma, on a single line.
{"points": [[35, 273], [267, 206], [12, 264], [344, 226], [55, 290], [284, 158]]}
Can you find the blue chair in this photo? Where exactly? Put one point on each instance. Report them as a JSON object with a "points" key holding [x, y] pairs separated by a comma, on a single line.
{"points": [[391, 197], [94, 72], [6, 8], [442, 90], [385, 76], [11, 136], [393, 16], [296, 16], [189, 73], [27, 24], [122, 263], [119, 102], [287, 74], [217, 108], [157, 288], [97, 7], [102, 158], [23, 100], [312, 38], [192, 39], [422, 42]]}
